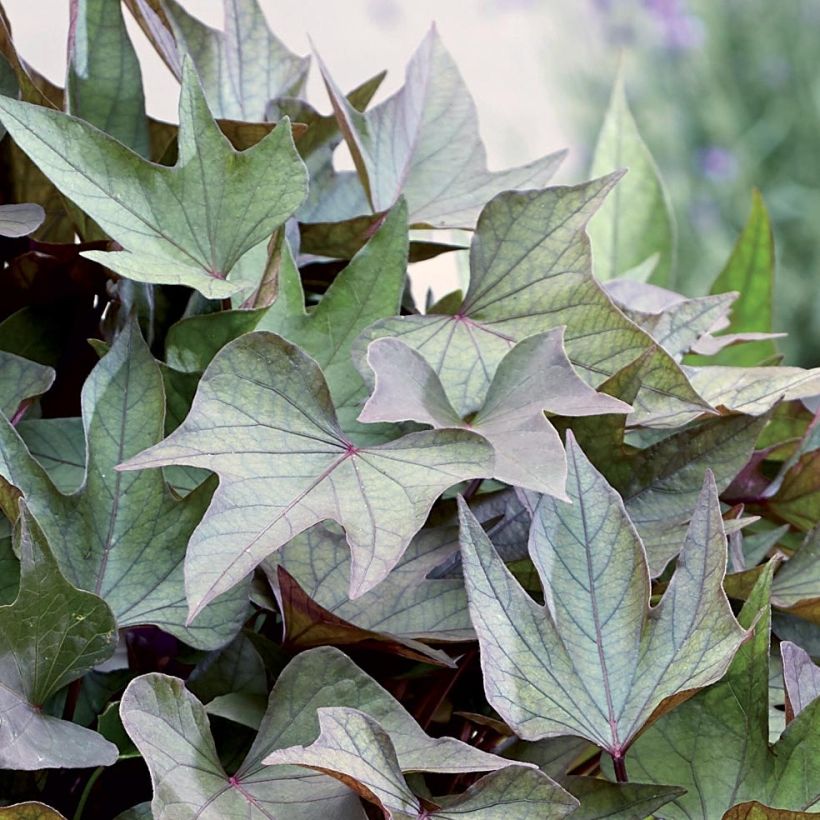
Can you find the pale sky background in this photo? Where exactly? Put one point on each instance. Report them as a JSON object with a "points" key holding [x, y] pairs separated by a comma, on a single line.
{"points": [[507, 51]]}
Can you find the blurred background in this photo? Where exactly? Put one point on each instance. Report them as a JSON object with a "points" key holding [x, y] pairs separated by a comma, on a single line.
{"points": [[725, 92]]}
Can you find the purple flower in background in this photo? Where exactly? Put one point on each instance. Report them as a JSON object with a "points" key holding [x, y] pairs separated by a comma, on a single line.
{"points": [[717, 164], [681, 30]]}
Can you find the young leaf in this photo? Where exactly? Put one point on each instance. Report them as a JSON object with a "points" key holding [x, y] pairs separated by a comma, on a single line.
{"points": [[20, 381], [123, 536], [636, 222], [596, 661], [51, 635], [356, 750], [716, 745], [530, 272], [534, 377], [750, 271], [801, 678], [423, 143], [263, 420], [242, 67], [104, 82], [185, 769], [368, 289], [186, 225]]}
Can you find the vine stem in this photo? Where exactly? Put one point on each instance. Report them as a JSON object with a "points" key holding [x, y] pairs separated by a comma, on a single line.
{"points": [[87, 792], [619, 764], [472, 488]]}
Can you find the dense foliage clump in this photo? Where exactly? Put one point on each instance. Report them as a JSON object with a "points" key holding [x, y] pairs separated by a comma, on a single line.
{"points": [[282, 542]]}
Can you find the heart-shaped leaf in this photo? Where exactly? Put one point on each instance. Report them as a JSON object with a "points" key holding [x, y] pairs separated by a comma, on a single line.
{"points": [[263, 420], [422, 143], [51, 635], [116, 522], [534, 377], [186, 225], [596, 661], [356, 750], [716, 745], [530, 272], [186, 771]]}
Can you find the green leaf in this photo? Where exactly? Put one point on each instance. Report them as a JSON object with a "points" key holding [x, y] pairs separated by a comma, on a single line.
{"points": [[530, 272], [757, 811], [21, 381], [29, 811], [636, 222], [263, 420], [716, 744], [750, 271], [801, 678], [355, 749], [406, 604], [534, 377], [20, 220], [123, 536], [188, 225], [596, 661], [423, 143], [796, 586], [368, 289], [625, 801], [104, 82], [242, 67], [660, 484], [51, 635], [186, 772], [59, 446]]}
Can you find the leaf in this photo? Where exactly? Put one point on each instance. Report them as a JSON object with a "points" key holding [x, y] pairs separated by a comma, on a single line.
{"points": [[530, 272], [750, 271], [59, 446], [423, 143], [187, 225], [51, 635], [801, 678], [626, 801], [356, 750], [797, 499], [242, 67], [660, 484], [757, 811], [596, 661], [796, 587], [534, 377], [716, 744], [636, 222], [186, 772], [29, 811], [122, 536], [20, 220], [406, 604], [369, 288], [263, 420], [104, 81], [21, 381]]}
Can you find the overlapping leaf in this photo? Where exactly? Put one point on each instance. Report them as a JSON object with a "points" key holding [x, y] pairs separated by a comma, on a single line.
{"points": [[20, 220], [51, 635], [368, 289], [801, 677], [423, 143], [716, 745], [534, 377], [530, 272], [20, 381], [636, 223], [356, 750], [190, 224], [596, 661], [263, 420], [186, 771], [243, 67], [122, 535]]}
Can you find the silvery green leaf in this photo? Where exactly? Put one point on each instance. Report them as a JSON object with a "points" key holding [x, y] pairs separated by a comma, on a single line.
{"points": [[264, 421], [20, 381], [596, 660], [801, 677]]}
